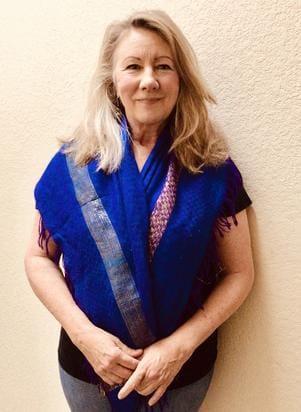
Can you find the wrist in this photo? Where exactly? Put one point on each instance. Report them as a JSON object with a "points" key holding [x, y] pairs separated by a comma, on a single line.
{"points": [[78, 332], [193, 332], [180, 343]]}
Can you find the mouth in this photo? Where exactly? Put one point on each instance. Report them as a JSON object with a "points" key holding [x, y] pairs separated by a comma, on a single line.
{"points": [[150, 100]]}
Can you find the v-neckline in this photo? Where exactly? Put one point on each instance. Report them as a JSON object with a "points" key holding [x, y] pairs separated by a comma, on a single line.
{"points": [[162, 140], [151, 177]]}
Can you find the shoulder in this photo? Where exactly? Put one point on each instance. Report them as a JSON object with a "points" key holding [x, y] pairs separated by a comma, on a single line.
{"points": [[55, 164], [55, 196], [223, 179], [235, 197], [53, 186], [229, 170]]}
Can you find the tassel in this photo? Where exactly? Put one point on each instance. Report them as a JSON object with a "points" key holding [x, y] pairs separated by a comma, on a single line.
{"points": [[211, 268], [234, 184], [44, 236]]}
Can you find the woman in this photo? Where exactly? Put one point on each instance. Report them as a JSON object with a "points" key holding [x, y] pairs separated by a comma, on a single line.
{"points": [[148, 212]]}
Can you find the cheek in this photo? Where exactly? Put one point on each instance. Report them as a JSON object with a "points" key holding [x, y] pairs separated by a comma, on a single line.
{"points": [[124, 85], [174, 90], [174, 84]]}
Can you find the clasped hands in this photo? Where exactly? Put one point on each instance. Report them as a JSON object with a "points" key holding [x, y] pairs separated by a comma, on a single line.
{"points": [[148, 371], [157, 368]]}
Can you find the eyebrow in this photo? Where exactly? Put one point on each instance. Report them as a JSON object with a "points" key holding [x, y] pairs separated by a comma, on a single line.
{"points": [[156, 58]]}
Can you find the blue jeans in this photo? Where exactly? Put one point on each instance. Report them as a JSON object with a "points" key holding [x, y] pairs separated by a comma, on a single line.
{"points": [[85, 397]]}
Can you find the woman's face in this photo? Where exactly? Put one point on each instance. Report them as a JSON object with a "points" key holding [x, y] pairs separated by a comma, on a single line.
{"points": [[145, 78]]}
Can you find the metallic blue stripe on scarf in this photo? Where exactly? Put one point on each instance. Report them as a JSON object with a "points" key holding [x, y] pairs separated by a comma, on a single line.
{"points": [[123, 285]]}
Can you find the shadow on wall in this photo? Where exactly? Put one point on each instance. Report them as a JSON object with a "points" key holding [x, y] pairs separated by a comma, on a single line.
{"points": [[246, 339]]}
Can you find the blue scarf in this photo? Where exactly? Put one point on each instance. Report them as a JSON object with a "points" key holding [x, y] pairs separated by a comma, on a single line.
{"points": [[101, 223]]}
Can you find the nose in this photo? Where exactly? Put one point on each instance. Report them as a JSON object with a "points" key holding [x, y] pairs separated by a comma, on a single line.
{"points": [[148, 80]]}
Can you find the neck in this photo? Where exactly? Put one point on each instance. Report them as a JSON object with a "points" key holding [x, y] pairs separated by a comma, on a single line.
{"points": [[144, 134], [144, 139]]}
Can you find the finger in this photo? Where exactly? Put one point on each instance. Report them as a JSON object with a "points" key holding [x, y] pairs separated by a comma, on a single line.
{"points": [[115, 378], [112, 378], [107, 380], [127, 361], [131, 352], [122, 372], [130, 385], [146, 390], [147, 386], [157, 395]]}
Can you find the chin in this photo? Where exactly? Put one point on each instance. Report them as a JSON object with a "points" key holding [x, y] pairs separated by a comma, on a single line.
{"points": [[151, 119]]}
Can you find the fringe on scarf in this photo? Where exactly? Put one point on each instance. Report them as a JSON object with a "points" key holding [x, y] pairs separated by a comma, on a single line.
{"points": [[234, 184], [211, 268], [43, 240]]}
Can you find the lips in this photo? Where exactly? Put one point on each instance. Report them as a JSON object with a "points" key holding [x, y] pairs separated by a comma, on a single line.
{"points": [[150, 100]]}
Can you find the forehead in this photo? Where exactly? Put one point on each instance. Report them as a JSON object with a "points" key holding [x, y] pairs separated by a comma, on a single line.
{"points": [[141, 43]]}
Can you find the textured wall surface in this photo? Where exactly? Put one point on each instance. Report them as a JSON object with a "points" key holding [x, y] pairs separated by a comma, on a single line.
{"points": [[250, 56]]}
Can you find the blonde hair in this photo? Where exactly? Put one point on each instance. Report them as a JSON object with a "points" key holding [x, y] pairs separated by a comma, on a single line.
{"points": [[195, 144]]}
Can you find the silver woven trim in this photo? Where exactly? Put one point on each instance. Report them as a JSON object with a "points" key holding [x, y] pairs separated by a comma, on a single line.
{"points": [[118, 271]]}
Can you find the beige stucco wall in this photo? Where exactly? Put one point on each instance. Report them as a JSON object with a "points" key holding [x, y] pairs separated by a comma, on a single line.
{"points": [[250, 55]]}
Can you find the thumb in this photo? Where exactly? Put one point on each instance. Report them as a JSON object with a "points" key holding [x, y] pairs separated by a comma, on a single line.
{"points": [[130, 351]]}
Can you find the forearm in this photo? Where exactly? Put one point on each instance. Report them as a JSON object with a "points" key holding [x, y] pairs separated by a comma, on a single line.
{"points": [[223, 301], [48, 283], [163, 359]]}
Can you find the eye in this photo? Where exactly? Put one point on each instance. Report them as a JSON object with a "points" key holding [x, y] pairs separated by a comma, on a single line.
{"points": [[163, 67], [133, 66]]}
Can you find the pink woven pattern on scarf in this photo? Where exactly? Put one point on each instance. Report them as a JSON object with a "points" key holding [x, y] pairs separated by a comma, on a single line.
{"points": [[163, 208]]}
